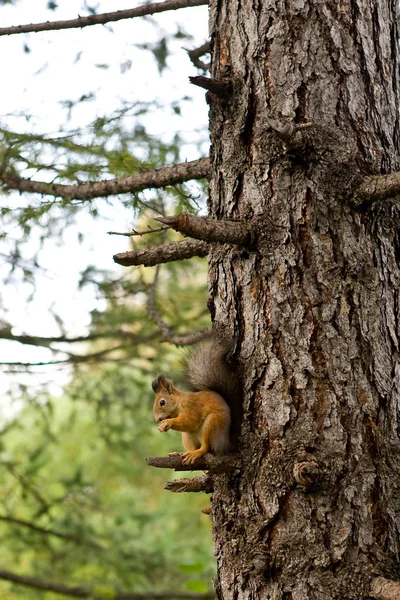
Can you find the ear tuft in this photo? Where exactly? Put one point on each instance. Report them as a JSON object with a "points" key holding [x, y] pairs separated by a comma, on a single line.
{"points": [[161, 382]]}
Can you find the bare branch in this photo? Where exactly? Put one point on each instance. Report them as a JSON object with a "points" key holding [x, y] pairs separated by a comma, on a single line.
{"points": [[140, 11], [72, 359], [46, 342], [376, 188], [190, 484], [214, 464], [134, 232], [157, 178], [210, 230], [219, 88], [183, 339], [155, 255], [78, 592], [385, 589], [195, 55]]}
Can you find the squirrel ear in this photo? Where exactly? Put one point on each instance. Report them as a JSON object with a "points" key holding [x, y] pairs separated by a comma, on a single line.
{"points": [[161, 382]]}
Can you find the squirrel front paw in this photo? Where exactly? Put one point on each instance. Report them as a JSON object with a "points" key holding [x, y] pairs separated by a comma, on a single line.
{"points": [[164, 425]]}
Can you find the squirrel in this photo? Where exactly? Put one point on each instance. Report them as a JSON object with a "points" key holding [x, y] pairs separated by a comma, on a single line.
{"points": [[208, 416]]}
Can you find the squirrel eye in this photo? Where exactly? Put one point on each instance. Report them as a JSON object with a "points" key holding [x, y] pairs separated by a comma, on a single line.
{"points": [[162, 402]]}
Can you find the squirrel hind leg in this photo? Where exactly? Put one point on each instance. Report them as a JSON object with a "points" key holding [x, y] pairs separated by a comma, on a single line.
{"points": [[221, 439], [191, 457]]}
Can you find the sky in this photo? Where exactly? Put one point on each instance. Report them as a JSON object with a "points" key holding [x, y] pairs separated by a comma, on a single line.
{"points": [[41, 71]]}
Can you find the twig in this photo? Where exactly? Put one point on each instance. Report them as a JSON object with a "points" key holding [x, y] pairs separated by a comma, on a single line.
{"points": [[286, 131], [134, 232], [157, 178], [156, 255], [195, 54], [139, 11]]}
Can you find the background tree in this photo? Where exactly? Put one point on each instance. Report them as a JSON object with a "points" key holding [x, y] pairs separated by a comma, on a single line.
{"points": [[303, 273]]}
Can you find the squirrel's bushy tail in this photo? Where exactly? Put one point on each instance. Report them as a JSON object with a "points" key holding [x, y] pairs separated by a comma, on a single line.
{"points": [[209, 367]]}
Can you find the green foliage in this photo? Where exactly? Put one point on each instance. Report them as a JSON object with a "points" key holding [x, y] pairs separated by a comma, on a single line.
{"points": [[85, 478], [78, 505]]}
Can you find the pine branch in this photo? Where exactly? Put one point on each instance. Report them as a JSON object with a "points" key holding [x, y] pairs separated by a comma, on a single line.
{"points": [[72, 359], [51, 532], [157, 178], [46, 342], [119, 15], [179, 339], [210, 230], [79, 592], [155, 255], [376, 188]]}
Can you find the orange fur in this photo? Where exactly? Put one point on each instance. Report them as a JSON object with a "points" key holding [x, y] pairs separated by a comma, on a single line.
{"points": [[203, 418]]}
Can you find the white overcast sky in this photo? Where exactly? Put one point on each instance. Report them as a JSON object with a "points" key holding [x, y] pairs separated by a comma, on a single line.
{"points": [[36, 82]]}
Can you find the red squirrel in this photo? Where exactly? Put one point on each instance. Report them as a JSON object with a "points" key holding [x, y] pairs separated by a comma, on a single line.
{"points": [[208, 416]]}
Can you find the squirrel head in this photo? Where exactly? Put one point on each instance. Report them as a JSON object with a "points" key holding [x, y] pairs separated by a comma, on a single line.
{"points": [[166, 404]]}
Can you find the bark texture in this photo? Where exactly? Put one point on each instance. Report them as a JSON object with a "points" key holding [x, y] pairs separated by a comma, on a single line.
{"points": [[314, 513]]}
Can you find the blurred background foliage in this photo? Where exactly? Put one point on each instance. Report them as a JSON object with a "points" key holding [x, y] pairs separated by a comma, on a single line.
{"points": [[78, 505]]}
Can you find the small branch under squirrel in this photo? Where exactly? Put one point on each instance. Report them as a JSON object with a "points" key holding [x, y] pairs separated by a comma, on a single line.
{"points": [[209, 462]]}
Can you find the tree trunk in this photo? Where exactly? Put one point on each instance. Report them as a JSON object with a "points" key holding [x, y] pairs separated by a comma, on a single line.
{"points": [[314, 512]]}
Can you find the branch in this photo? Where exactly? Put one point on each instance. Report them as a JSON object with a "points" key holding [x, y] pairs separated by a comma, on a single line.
{"points": [[190, 484], [46, 342], [179, 339], [140, 11], [157, 178], [195, 55], [65, 536], [72, 358], [219, 88], [155, 255], [380, 187], [78, 592], [384, 589], [134, 232], [209, 462], [210, 230]]}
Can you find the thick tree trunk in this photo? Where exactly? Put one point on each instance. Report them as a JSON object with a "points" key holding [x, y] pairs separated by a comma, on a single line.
{"points": [[315, 511]]}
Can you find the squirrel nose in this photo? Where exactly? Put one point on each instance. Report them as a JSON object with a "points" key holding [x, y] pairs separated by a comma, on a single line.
{"points": [[160, 419]]}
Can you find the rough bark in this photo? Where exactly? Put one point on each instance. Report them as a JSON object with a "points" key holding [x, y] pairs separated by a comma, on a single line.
{"points": [[317, 312]]}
